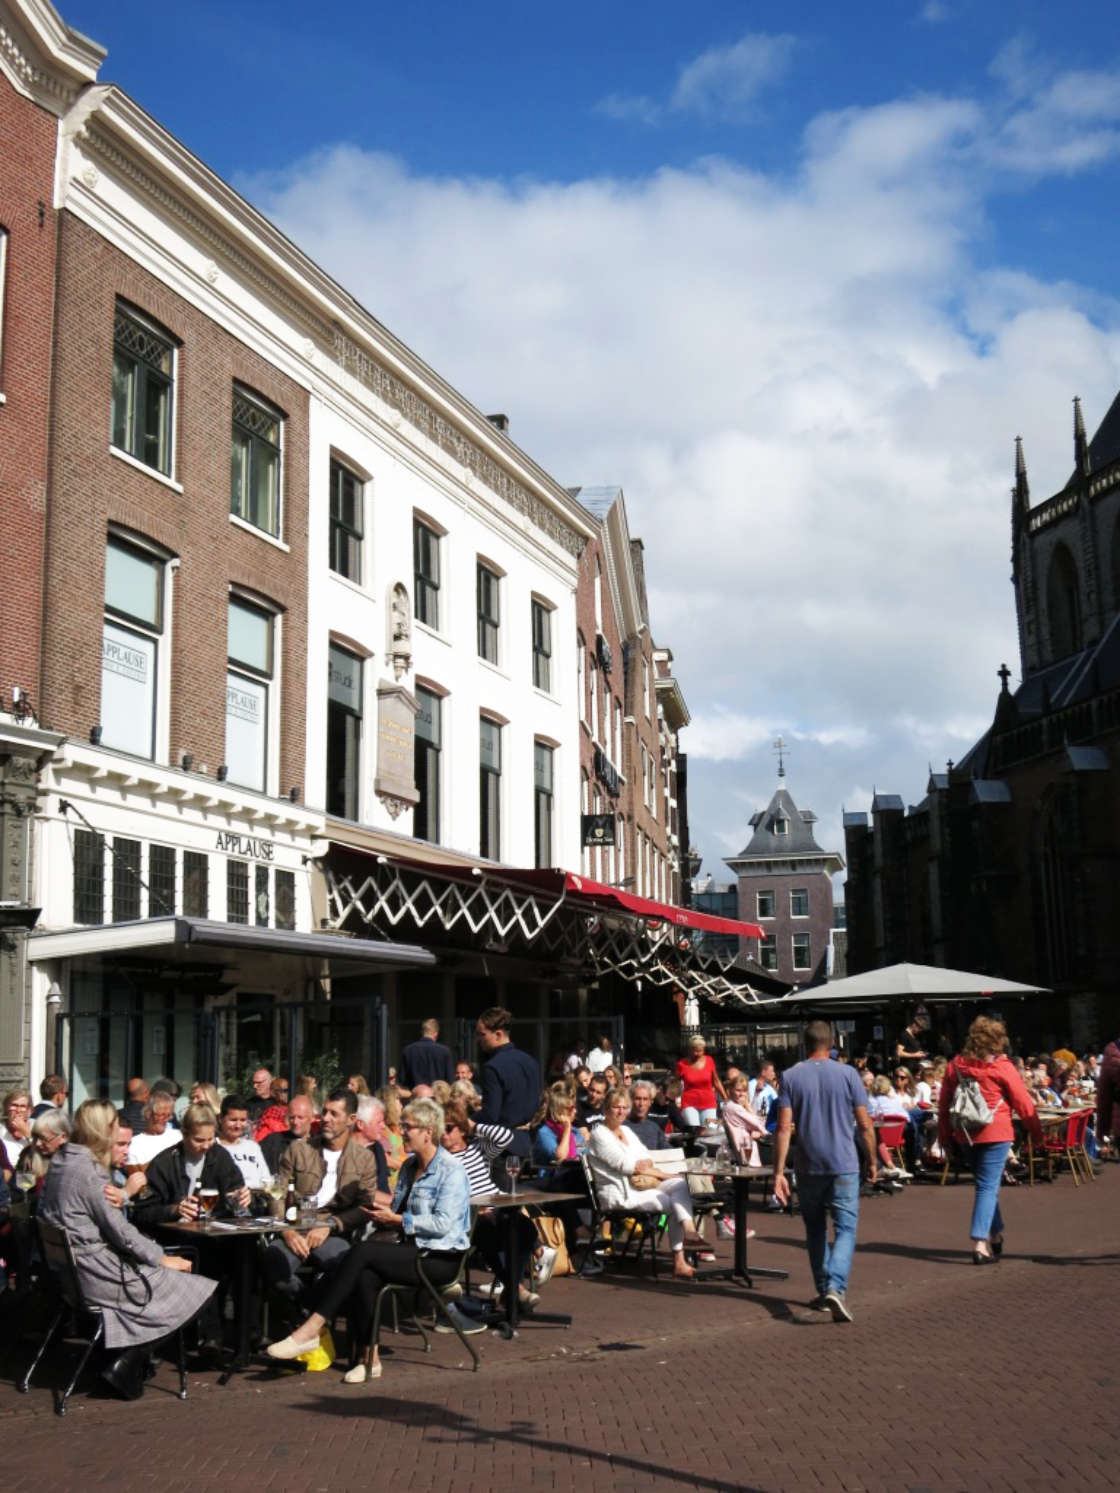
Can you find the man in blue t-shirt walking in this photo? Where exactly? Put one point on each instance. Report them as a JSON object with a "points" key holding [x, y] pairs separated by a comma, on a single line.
{"points": [[821, 1103]]}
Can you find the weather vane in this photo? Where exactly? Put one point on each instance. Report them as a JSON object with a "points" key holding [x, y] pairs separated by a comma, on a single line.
{"points": [[781, 749]]}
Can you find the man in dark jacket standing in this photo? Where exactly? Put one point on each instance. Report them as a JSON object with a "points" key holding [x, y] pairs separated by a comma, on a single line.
{"points": [[428, 1060], [1108, 1097], [511, 1079]]}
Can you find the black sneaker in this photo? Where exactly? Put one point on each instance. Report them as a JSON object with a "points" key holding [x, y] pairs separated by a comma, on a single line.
{"points": [[835, 1303]]}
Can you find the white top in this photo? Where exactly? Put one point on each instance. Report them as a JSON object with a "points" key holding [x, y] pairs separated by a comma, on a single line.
{"points": [[329, 1190], [144, 1148], [923, 1092], [598, 1060], [250, 1161], [613, 1158], [11, 1144]]}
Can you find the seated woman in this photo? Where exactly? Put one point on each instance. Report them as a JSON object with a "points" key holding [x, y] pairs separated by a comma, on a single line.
{"points": [[616, 1156], [558, 1143], [743, 1126], [431, 1212], [477, 1147], [195, 1164], [143, 1293], [392, 1142]]}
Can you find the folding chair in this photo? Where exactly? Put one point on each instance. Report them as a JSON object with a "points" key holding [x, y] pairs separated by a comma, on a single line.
{"points": [[640, 1230], [1061, 1143], [58, 1254], [890, 1136], [429, 1293]]}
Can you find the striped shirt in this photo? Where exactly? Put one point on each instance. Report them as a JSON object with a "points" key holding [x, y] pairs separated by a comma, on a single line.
{"points": [[486, 1144]]}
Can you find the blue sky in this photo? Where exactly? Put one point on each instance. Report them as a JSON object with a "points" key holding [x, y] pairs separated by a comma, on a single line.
{"points": [[796, 287]]}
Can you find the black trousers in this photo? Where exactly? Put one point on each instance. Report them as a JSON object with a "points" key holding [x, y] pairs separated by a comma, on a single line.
{"points": [[489, 1236], [358, 1279]]}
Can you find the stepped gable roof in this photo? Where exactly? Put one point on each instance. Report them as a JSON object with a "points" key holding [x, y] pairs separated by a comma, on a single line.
{"points": [[797, 839]]}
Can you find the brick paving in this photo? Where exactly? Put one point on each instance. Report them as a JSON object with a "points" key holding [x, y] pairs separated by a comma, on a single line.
{"points": [[951, 1380]]}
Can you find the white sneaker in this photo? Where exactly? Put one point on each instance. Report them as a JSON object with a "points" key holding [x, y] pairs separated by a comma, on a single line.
{"points": [[725, 1228]]}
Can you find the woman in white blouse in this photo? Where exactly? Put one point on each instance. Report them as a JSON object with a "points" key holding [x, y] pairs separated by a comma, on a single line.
{"points": [[617, 1156]]}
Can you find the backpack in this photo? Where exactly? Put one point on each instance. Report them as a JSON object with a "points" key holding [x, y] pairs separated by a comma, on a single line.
{"points": [[969, 1110]]}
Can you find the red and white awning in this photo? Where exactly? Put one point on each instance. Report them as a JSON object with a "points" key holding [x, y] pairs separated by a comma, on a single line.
{"points": [[545, 914]]}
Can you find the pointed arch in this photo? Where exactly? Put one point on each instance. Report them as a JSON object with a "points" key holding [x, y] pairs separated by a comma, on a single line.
{"points": [[1063, 604]]}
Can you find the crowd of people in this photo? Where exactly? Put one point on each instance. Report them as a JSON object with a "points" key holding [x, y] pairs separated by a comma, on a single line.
{"points": [[366, 1184]]}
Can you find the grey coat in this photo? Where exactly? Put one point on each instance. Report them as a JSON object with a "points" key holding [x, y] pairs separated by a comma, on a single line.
{"points": [[118, 1268]]}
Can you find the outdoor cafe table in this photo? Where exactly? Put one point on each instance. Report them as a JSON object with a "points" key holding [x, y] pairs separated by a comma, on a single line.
{"points": [[506, 1206], [741, 1178], [240, 1234]]}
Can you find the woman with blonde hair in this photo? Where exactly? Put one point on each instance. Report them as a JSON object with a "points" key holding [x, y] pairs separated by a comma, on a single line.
{"points": [[701, 1084], [984, 1066], [143, 1294], [392, 1141], [204, 1093]]}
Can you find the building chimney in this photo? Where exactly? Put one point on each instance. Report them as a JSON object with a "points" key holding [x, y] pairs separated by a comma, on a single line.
{"points": [[499, 422]]}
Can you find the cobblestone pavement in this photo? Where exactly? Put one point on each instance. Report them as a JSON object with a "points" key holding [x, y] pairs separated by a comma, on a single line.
{"points": [[950, 1380]]}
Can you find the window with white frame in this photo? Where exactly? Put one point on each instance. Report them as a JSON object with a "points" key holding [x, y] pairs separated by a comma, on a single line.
{"points": [[489, 609], [425, 573], [617, 757], [645, 775], [3, 288], [143, 389], [799, 902], [249, 683], [801, 951], [584, 801], [426, 764], [347, 494], [768, 951], [651, 769], [598, 597], [581, 670], [489, 789], [254, 494], [344, 731], [781, 826], [765, 904], [542, 803], [131, 635], [645, 685], [542, 645]]}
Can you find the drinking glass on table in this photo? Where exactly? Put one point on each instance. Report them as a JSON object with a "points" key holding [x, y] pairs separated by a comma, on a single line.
{"points": [[207, 1202], [235, 1205], [513, 1167], [308, 1208]]}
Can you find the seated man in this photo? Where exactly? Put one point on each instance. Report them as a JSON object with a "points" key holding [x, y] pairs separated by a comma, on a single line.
{"points": [[341, 1176], [648, 1131], [590, 1106], [193, 1164], [301, 1117], [369, 1131], [233, 1122], [157, 1134]]}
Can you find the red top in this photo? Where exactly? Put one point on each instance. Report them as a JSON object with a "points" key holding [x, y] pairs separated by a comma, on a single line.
{"points": [[699, 1090], [1004, 1091]]}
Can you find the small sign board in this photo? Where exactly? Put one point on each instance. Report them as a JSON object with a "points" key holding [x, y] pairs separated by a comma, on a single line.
{"points": [[847, 1027], [596, 829]]}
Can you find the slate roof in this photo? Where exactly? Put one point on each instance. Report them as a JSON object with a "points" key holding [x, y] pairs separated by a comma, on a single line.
{"points": [[597, 500], [766, 844]]}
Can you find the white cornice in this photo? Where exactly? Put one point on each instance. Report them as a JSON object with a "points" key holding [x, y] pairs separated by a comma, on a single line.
{"points": [[336, 327], [43, 58]]}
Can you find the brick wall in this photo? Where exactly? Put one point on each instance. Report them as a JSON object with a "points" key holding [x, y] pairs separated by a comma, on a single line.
{"points": [[91, 488], [26, 175]]}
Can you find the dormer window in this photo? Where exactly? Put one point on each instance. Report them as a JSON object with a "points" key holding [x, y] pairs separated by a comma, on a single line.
{"points": [[781, 826]]}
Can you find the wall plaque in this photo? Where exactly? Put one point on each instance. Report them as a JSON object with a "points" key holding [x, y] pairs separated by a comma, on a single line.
{"points": [[396, 735]]}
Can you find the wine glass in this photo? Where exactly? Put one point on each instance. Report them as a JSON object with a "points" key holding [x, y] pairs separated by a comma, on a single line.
{"points": [[513, 1167]]}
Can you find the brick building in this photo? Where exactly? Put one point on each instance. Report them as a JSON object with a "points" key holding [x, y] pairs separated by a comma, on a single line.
{"points": [[785, 885], [1007, 864]]}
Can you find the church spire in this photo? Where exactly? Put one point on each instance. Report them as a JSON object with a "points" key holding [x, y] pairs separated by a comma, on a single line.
{"points": [[1080, 443], [1022, 487]]}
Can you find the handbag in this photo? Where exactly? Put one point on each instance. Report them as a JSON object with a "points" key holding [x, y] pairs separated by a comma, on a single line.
{"points": [[550, 1231], [644, 1181], [969, 1110]]}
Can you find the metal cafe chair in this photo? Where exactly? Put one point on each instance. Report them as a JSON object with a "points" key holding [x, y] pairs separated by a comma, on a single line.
{"points": [[637, 1231], [427, 1293], [58, 1254]]}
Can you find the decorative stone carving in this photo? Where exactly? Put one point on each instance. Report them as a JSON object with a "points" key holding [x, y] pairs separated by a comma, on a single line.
{"points": [[211, 271], [396, 735], [91, 176], [399, 652]]}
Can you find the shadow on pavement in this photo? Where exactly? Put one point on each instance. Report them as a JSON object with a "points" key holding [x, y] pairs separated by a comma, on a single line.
{"points": [[455, 1425]]}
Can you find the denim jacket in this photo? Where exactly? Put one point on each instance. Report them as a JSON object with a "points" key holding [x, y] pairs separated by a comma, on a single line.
{"points": [[438, 1213]]}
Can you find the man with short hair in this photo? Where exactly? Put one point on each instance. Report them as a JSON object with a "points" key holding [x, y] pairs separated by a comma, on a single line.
{"points": [[591, 1105], [464, 1072], [342, 1178], [233, 1123], [427, 1060], [369, 1130], [301, 1114], [52, 1095], [511, 1079], [910, 1048], [261, 1097], [137, 1094], [157, 1134], [648, 1131], [825, 1101]]}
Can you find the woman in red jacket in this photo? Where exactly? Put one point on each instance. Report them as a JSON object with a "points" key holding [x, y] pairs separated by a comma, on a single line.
{"points": [[984, 1058], [701, 1085]]}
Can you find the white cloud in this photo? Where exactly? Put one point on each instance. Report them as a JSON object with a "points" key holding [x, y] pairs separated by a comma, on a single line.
{"points": [[808, 385], [933, 12], [724, 82], [631, 108]]}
